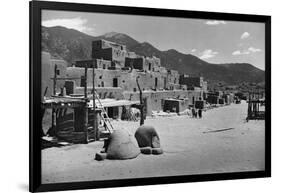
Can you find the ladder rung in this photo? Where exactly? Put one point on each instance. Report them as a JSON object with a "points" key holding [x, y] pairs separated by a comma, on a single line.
{"points": [[106, 118]]}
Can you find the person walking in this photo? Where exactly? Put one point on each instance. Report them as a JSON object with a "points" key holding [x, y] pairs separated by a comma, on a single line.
{"points": [[193, 112], [200, 113], [196, 113]]}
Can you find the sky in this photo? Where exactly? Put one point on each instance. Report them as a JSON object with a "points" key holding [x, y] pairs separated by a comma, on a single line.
{"points": [[215, 41]]}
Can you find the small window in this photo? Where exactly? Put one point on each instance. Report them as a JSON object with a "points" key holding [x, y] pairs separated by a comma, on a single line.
{"points": [[58, 72], [149, 66]]}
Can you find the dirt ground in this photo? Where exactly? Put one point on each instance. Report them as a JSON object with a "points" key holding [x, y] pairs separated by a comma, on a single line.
{"points": [[222, 141]]}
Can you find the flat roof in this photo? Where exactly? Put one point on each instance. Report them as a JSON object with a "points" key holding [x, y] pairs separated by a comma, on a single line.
{"points": [[78, 101], [174, 99], [112, 103]]}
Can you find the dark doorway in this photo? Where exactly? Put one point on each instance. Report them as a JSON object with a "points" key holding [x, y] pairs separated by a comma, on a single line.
{"points": [[83, 81], [79, 119], [115, 82], [149, 66], [112, 112], [156, 83]]}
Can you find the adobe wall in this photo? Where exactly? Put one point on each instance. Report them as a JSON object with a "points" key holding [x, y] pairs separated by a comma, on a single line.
{"points": [[152, 64], [48, 67], [46, 74], [205, 86], [155, 99], [173, 76], [125, 79], [105, 92], [136, 63], [103, 44], [97, 63], [105, 54], [174, 105], [102, 49], [119, 56], [77, 73], [146, 64]]}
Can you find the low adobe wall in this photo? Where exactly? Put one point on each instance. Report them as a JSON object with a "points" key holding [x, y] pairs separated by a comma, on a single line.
{"points": [[155, 99]]}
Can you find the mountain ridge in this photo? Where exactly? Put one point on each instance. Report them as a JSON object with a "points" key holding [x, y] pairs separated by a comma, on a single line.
{"points": [[72, 45]]}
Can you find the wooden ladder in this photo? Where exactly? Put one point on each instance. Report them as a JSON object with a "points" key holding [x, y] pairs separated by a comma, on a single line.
{"points": [[104, 115]]}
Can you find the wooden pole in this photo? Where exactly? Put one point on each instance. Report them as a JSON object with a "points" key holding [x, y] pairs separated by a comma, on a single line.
{"points": [[55, 80], [86, 108], [85, 88], [53, 127], [141, 103], [94, 105]]}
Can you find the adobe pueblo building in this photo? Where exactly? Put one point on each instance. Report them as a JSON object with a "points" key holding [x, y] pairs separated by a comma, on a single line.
{"points": [[113, 71], [116, 71]]}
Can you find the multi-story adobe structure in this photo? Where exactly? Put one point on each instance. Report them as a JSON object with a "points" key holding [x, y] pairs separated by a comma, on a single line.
{"points": [[115, 73]]}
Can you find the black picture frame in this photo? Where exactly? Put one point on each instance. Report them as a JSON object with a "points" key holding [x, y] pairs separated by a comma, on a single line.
{"points": [[35, 93]]}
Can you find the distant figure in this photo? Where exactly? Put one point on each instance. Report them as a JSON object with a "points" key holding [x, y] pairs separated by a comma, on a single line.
{"points": [[200, 113], [193, 112]]}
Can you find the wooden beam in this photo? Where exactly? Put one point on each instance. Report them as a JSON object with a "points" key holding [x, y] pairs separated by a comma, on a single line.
{"points": [[141, 103], [94, 105], [55, 80], [85, 86], [68, 78], [54, 93], [85, 107]]}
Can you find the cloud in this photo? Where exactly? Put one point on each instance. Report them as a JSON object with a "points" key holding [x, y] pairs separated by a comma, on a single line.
{"points": [[193, 50], [208, 54], [254, 50], [245, 35], [77, 23], [236, 52], [246, 52], [215, 22]]}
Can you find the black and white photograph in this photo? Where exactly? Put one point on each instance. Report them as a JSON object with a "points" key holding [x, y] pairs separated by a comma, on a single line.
{"points": [[132, 96], [140, 96]]}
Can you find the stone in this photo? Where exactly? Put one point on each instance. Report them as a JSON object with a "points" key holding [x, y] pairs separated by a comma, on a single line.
{"points": [[157, 151], [146, 150], [100, 156]]}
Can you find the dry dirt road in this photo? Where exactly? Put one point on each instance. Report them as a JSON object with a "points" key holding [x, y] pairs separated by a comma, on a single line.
{"points": [[219, 142]]}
